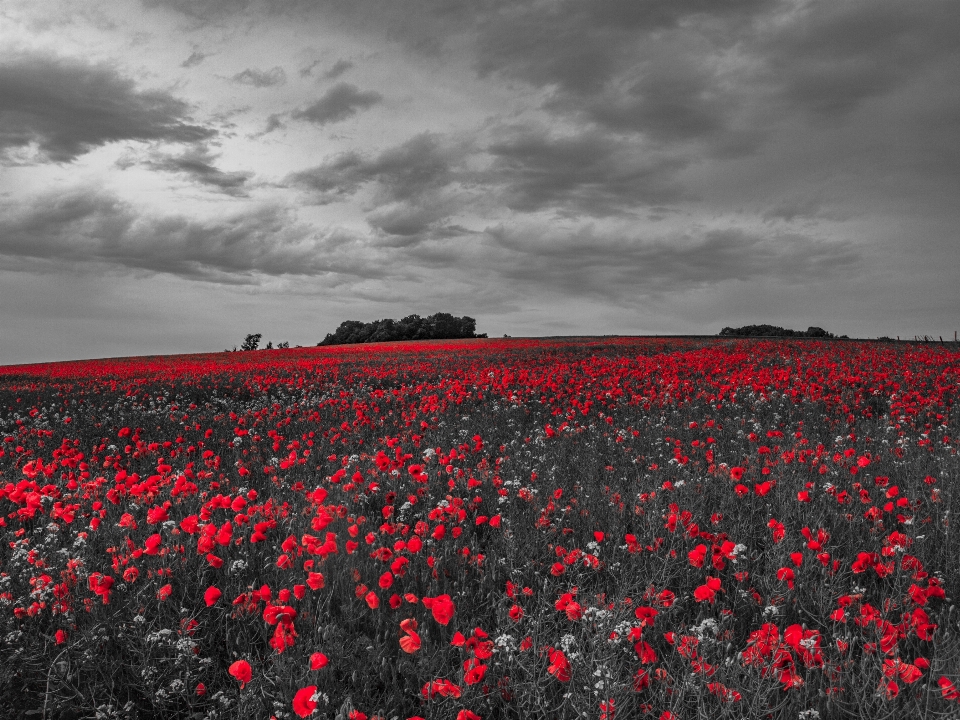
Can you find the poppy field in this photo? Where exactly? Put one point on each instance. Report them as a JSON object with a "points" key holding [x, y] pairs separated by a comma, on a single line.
{"points": [[586, 528]]}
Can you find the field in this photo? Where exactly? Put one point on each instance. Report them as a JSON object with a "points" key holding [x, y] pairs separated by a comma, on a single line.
{"points": [[630, 528]]}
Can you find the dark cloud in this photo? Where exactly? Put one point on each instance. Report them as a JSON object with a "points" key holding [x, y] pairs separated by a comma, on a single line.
{"points": [[204, 11], [403, 220], [338, 103], [196, 57], [197, 164], [590, 172], [407, 171], [68, 108], [579, 47], [338, 69], [90, 226], [834, 56], [273, 123], [621, 266], [643, 67], [308, 70], [261, 78]]}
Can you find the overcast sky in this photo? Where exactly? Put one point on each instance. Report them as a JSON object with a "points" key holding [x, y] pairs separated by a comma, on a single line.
{"points": [[175, 174]]}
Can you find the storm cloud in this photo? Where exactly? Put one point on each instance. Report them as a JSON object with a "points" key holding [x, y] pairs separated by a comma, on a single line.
{"points": [[67, 107]]}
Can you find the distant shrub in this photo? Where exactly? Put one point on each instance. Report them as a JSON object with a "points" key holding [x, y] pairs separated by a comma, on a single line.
{"points": [[442, 326], [251, 341]]}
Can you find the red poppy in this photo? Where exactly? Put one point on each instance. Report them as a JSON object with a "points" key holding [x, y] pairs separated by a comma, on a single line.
{"points": [[708, 591], [152, 544], [318, 660], [211, 596], [786, 575], [315, 580], [442, 608], [559, 665], [242, 672], [303, 702], [409, 642]]}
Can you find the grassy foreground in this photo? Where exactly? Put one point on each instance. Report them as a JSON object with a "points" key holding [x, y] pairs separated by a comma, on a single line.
{"points": [[629, 528]]}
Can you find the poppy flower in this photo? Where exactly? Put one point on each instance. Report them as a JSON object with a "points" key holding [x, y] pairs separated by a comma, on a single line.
{"points": [[947, 689], [315, 580], [697, 555], [211, 596], [164, 592], [442, 608], [283, 614], [786, 575], [708, 591], [303, 702], [559, 665], [409, 642], [242, 672], [318, 660]]}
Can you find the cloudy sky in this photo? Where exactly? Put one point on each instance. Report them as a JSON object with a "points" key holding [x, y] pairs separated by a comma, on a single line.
{"points": [[177, 173]]}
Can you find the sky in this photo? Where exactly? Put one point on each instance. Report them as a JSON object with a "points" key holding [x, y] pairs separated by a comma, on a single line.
{"points": [[176, 174]]}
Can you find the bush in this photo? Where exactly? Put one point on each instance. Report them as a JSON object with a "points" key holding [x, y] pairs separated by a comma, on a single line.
{"points": [[773, 331], [442, 326]]}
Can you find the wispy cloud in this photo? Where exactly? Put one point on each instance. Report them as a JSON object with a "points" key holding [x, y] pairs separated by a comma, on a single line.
{"points": [[196, 57], [261, 78], [338, 69], [340, 102], [196, 163]]}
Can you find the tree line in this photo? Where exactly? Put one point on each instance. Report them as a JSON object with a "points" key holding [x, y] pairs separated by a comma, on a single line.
{"points": [[441, 326], [774, 331]]}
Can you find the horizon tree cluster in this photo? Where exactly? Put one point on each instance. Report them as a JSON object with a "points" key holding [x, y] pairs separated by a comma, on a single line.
{"points": [[440, 326]]}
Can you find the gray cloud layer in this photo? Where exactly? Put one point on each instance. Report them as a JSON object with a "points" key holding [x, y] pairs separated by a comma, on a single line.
{"points": [[68, 108], [94, 226], [340, 102]]}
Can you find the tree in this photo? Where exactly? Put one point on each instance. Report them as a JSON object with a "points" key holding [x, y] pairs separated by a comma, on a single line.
{"points": [[251, 341], [773, 331], [441, 326]]}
